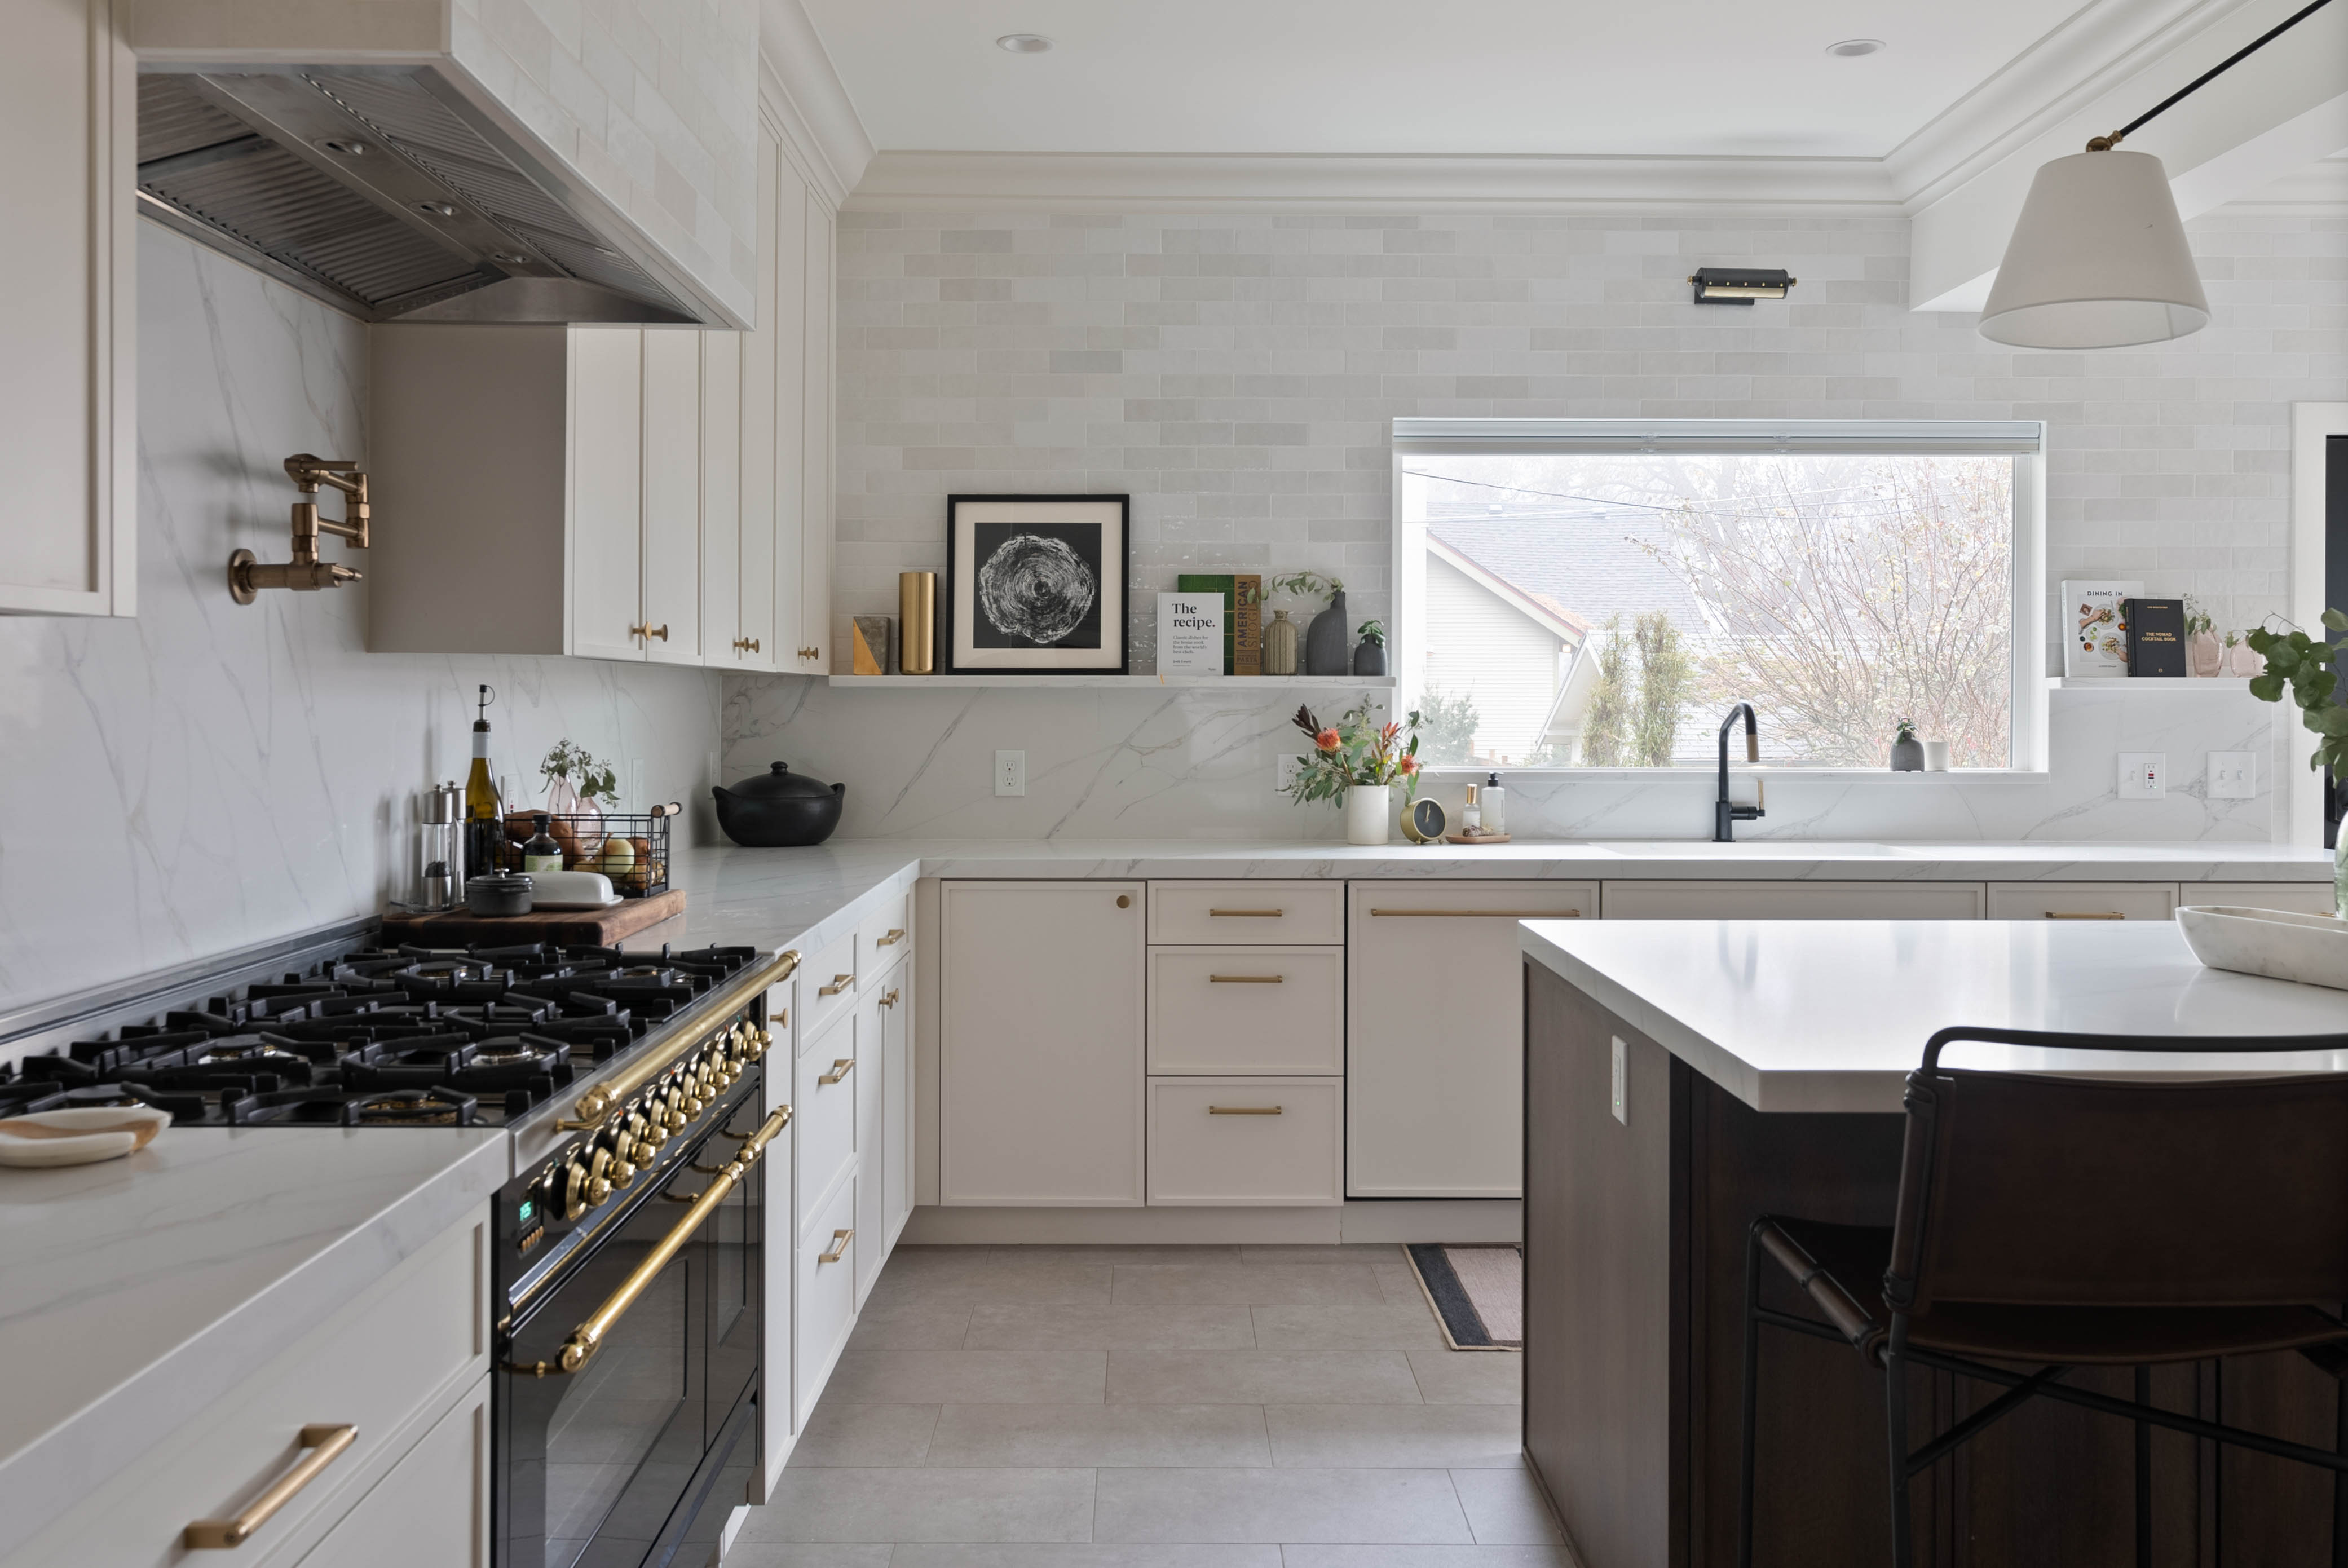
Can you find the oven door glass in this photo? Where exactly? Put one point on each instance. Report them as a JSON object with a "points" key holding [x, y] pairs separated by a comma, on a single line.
{"points": [[598, 1467]]}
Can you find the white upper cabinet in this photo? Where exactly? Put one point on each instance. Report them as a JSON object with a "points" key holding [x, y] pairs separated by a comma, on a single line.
{"points": [[787, 459], [723, 640], [69, 310], [605, 484], [671, 532], [814, 473]]}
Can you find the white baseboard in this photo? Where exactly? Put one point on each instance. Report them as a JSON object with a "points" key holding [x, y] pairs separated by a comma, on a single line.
{"points": [[1498, 1219]]}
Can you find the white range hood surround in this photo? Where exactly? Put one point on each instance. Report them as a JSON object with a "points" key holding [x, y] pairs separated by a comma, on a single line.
{"points": [[647, 115]]}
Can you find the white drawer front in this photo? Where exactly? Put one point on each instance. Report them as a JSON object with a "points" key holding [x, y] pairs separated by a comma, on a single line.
{"points": [[434, 1507], [827, 988], [373, 1365], [823, 1115], [1246, 1140], [2300, 898], [1249, 913], [2082, 900], [1792, 900], [1246, 1010], [827, 1294], [884, 938]]}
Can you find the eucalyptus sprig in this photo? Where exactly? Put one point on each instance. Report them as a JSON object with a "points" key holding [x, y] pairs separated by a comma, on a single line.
{"points": [[589, 779], [1306, 585], [2309, 666]]}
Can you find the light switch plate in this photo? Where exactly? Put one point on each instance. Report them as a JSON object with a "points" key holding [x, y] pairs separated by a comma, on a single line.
{"points": [[2233, 774], [1011, 773], [1622, 1082], [2144, 775]]}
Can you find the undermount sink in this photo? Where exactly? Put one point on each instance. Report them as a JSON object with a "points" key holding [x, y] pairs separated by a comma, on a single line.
{"points": [[1758, 848]]}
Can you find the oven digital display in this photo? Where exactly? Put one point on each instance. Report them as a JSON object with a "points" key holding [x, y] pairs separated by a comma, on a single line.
{"points": [[529, 1207]]}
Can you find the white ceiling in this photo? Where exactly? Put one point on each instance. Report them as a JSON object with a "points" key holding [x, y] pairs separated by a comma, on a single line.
{"points": [[1713, 77]]}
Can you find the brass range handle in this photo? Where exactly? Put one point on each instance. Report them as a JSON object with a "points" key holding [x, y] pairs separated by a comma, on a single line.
{"points": [[838, 983], [1483, 913], [839, 1069], [325, 1443], [1246, 979], [746, 644], [649, 631], [2104, 915], [839, 1240], [1243, 1110], [591, 1107], [896, 935], [1246, 913], [588, 1337]]}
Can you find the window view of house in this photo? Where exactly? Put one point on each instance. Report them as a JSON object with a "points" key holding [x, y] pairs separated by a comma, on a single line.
{"points": [[1602, 610]]}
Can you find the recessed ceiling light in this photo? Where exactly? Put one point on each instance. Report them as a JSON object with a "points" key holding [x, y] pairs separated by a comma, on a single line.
{"points": [[347, 149], [1024, 43], [1851, 47], [438, 209]]}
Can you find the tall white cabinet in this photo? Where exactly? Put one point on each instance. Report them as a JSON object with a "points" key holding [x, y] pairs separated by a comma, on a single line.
{"points": [[69, 313]]}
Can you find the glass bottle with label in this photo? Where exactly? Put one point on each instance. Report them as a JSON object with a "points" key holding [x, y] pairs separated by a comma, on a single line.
{"points": [[485, 817], [541, 853]]}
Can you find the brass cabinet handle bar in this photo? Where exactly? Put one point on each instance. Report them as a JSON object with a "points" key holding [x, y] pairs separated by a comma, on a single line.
{"points": [[588, 1337], [896, 935], [1243, 1110], [839, 1240], [838, 983], [1246, 979], [325, 1443], [591, 1106], [2105, 914], [839, 1069], [1247, 913], [1484, 913]]}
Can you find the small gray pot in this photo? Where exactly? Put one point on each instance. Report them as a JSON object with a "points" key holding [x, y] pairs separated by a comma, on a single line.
{"points": [[1908, 755], [1370, 659]]}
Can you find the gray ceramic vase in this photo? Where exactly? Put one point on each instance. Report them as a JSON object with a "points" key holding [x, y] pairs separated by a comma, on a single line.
{"points": [[1908, 755], [1369, 659], [1325, 639]]}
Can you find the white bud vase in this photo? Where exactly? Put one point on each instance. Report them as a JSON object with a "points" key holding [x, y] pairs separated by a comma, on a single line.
{"points": [[1369, 812]]}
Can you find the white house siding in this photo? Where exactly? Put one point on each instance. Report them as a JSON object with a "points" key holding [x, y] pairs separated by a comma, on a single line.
{"points": [[1477, 643]]}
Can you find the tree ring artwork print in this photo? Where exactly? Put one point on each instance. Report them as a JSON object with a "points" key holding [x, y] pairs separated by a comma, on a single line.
{"points": [[1036, 584]]}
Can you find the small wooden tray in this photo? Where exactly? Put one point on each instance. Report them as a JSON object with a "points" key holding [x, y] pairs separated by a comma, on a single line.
{"points": [[563, 927], [1478, 839]]}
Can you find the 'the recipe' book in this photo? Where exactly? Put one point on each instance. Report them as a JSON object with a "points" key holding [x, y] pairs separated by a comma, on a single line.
{"points": [[2095, 615], [1243, 596]]}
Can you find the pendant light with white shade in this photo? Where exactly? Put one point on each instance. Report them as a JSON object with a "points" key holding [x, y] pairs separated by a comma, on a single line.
{"points": [[2098, 257]]}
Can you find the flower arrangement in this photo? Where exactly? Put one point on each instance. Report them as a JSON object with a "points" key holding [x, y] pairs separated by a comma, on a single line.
{"points": [[1356, 750], [590, 779]]}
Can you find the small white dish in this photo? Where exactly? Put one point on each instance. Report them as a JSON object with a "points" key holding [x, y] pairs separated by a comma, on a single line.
{"points": [[82, 1136], [571, 889], [2311, 949]]}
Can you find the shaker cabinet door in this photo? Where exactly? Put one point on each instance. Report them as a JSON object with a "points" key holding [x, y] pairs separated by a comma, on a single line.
{"points": [[1040, 1042], [721, 636], [786, 415], [815, 474], [606, 440], [760, 462], [672, 486]]}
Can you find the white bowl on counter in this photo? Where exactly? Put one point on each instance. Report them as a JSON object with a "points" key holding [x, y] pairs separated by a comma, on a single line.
{"points": [[82, 1136], [2311, 949]]}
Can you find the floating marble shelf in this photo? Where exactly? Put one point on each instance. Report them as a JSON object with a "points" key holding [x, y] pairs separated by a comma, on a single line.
{"points": [[1119, 683], [2148, 682]]}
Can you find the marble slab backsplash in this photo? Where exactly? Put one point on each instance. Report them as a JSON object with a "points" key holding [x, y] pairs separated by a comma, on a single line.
{"points": [[1195, 763], [208, 776]]}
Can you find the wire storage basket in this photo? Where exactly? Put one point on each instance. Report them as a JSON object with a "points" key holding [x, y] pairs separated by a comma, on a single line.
{"points": [[632, 848]]}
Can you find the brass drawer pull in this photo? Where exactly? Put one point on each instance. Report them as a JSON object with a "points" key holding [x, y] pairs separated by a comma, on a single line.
{"points": [[1246, 914], [839, 1240], [746, 644], [1245, 979], [649, 632], [2105, 914], [839, 1069], [1484, 913], [1243, 1110], [325, 1443], [896, 935], [838, 983], [890, 999]]}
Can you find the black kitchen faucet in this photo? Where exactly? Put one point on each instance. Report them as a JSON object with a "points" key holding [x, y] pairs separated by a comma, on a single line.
{"points": [[1725, 817]]}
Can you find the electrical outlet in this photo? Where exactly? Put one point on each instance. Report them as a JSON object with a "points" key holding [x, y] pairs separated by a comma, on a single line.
{"points": [[2232, 775], [1622, 1082], [2144, 775], [1283, 772], [1011, 773]]}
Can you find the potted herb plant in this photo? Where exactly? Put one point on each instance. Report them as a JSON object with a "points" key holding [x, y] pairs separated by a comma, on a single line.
{"points": [[1325, 639], [1358, 761], [2308, 667], [1907, 751]]}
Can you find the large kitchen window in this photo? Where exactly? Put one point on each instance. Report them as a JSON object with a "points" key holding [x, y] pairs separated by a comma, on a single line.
{"points": [[1594, 594]]}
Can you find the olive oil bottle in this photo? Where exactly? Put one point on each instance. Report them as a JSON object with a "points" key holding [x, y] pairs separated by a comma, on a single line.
{"points": [[485, 817]]}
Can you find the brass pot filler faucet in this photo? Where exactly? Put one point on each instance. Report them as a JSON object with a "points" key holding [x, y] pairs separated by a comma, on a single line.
{"points": [[247, 576]]}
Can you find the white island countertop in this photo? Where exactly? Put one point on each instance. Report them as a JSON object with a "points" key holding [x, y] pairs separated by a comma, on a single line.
{"points": [[1831, 1015]]}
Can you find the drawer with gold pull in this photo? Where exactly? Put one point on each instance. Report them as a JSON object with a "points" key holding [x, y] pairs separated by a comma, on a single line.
{"points": [[2082, 901], [828, 983], [1246, 1010], [1237, 913], [1246, 1140], [884, 936], [823, 1107]]}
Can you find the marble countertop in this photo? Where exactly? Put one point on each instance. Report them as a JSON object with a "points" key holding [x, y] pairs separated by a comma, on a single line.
{"points": [[138, 1291], [1831, 1015]]}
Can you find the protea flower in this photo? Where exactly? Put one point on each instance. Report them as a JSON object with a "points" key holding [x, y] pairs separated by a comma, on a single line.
{"points": [[1328, 740], [1407, 766]]}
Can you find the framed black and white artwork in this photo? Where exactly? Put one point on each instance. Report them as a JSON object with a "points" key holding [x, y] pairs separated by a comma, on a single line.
{"points": [[1036, 584]]}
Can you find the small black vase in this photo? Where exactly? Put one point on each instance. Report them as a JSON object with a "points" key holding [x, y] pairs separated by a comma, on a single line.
{"points": [[1325, 639], [1369, 658]]}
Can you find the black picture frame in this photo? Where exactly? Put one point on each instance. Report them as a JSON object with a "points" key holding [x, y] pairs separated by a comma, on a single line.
{"points": [[1052, 547]]}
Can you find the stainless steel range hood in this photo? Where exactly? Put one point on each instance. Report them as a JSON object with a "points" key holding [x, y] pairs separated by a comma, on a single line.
{"points": [[386, 193]]}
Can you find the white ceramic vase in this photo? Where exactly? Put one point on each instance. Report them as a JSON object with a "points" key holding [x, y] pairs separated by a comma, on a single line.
{"points": [[1369, 812]]}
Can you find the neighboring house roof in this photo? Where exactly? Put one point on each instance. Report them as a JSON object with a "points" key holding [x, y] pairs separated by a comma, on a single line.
{"points": [[1544, 611], [1587, 565]]}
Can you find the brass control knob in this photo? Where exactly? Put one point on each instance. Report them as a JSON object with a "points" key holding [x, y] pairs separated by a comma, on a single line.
{"points": [[598, 1177], [672, 1114], [574, 1189]]}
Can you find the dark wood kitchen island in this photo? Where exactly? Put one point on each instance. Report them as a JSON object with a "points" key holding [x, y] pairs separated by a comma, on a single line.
{"points": [[1763, 1064]]}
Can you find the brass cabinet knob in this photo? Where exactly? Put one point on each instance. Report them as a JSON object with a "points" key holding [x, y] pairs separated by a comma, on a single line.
{"points": [[649, 631], [746, 644], [810, 653], [1125, 901]]}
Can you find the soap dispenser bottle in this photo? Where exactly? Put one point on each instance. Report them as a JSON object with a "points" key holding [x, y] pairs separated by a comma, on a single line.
{"points": [[1493, 803]]}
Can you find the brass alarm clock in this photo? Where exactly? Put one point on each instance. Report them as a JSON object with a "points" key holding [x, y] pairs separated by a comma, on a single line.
{"points": [[1424, 822]]}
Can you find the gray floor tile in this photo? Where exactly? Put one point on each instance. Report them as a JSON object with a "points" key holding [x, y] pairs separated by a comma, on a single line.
{"points": [[1137, 1253], [1091, 1555], [787, 1555], [1278, 1505], [1451, 1436], [909, 1326], [1261, 1378], [1092, 1326], [967, 1377], [864, 1437], [1505, 1507], [1398, 1282], [945, 1505], [1415, 1557], [1010, 1277], [1469, 1376], [1399, 1325], [981, 1437], [1328, 1253], [929, 1275], [1248, 1284]]}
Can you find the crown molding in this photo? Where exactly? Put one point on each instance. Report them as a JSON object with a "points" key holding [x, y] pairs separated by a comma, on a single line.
{"points": [[1178, 182], [802, 93], [2318, 190]]}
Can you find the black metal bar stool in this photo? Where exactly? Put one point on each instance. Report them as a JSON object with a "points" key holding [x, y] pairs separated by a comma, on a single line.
{"points": [[2058, 1223]]}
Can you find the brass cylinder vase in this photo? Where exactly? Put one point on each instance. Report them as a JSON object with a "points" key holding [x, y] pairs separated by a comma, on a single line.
{"points": [[917, 622]]}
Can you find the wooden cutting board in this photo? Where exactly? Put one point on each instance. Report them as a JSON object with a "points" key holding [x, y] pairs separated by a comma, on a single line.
{"points": [[563, 927]]}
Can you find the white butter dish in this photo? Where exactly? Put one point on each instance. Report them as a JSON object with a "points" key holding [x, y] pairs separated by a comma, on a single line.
{"points": [[2311, 949], [82, 1136], [571, 890]]}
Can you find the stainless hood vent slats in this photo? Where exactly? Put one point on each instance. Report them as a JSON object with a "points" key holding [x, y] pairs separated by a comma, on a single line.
{"points": [[368, 191]]}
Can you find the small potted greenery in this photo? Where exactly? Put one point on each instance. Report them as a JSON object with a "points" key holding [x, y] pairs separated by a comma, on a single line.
{"points": [[2308, 667], [1907, 751], [1358, 761], [580, 787], [1370, 656]]}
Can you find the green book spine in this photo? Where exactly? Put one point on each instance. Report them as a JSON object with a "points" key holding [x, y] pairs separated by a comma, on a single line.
{"points": [[1221, 583]]}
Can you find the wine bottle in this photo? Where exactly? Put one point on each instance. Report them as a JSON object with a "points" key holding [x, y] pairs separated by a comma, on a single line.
{"points": [[485, 817]]}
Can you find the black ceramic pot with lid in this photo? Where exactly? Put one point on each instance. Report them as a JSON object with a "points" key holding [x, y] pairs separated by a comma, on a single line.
{"points": [[779, 809]]}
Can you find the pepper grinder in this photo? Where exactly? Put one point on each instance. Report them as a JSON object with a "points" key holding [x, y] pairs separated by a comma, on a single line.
{"points": [[440, 848]]}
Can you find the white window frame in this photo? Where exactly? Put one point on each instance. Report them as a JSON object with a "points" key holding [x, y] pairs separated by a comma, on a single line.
{"points": [[2024, 439]]}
